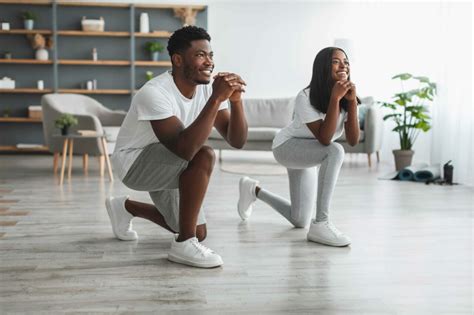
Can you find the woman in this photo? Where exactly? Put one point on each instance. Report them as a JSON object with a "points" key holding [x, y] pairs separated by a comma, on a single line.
{"points": [[323, 110]]}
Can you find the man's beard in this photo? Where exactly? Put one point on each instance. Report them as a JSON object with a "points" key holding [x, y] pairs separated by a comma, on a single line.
{"points": [[188, 74]]}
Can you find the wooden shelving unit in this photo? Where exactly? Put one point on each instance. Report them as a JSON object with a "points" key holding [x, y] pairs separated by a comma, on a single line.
{"points": [[30, 2], [26, 32], [95, 34], [124, 5], [159, 34], [101, 91], [25, 90], [27, 61], [63, 72], [93, 4], [12, 148], [20, 120], [142, 63], [78, 62], [168, 6]]}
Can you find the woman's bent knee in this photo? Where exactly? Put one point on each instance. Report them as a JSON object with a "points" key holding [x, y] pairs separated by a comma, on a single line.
{"points": [[301, 222], [336, 150]]}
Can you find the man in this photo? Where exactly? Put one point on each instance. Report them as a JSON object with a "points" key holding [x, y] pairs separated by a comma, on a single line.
{"points": [[160, 146]]}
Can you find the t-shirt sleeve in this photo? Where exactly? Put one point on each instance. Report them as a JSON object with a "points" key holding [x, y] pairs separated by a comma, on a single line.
{"points": [[305, 111], [153, 104]]}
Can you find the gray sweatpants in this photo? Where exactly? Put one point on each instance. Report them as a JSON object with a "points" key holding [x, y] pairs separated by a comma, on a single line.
{"points": [[301, 158], [157, 170]]}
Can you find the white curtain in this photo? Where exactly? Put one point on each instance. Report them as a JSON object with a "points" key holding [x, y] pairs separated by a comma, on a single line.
{"points": [[453, 111]]}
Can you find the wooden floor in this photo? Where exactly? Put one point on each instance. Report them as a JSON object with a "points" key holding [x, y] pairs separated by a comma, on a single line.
{"points": [[412, 249]]}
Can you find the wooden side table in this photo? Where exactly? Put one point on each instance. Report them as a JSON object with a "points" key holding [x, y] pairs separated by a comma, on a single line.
{"points": [[69, 144]]}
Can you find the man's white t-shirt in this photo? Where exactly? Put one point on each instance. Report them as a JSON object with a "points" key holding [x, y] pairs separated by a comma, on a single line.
{"points": [[158, 99], [306, 113]]}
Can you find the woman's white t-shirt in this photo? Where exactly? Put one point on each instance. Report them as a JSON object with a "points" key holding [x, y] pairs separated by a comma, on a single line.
{"points": [[305, 113], [159, 98]]}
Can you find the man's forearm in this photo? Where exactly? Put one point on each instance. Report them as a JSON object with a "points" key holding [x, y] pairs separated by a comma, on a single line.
{"points": [[237, 128], [192, 138]]}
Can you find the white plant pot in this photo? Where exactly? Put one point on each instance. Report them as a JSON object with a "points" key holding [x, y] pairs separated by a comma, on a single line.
{"points": [[155, 55], [29, 24], [42, 54]]}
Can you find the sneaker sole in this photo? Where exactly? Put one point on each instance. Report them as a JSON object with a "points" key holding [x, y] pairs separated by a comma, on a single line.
{"points": [[183, 261], [113, 220], [326, 242]]}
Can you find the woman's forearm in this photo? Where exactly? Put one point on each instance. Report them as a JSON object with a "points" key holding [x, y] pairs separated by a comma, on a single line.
{"points": [[352, 124], [329, 125]]}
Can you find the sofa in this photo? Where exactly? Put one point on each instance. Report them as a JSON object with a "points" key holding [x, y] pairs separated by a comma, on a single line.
{"points": [[265, 117]]}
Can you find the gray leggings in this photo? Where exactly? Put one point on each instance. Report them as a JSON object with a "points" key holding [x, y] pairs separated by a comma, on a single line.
{"points": [[300, 157]]}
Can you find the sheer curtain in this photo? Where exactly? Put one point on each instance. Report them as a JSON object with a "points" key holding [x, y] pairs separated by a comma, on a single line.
{"points": [[453, 113]]}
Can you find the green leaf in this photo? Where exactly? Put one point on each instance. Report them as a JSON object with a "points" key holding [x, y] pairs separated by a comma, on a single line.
{"points": [[400, 102], [415, 108], [391, 115], [423, 126], [402, 76], [389, 105], [422, 79]]}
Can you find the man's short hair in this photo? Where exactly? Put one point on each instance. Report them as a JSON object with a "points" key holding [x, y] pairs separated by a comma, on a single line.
{"points": [[182, 38]]}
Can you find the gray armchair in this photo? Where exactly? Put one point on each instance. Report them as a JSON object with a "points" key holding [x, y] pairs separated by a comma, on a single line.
{"points": [[371, 131], [91, 115]]}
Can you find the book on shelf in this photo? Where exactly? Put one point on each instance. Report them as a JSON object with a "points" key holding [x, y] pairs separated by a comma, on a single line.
{"points": [[29, 146]]}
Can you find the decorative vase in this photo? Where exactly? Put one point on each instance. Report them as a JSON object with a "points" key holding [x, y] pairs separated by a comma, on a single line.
{"points": [[29, 24], [403, 158], [64, 130], [42, 54], [155, 55], [144, 23]]}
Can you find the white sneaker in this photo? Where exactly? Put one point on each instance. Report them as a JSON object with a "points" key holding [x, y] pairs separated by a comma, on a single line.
{"points": [[326, 233], [247, 196], [120, 218], [192, 253]]}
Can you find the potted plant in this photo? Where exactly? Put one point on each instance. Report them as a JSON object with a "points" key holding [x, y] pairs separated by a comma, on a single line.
{"points": [[65, 121], [154, 48], [28, 19], [409, 111], [149, 75], [7, 111]]}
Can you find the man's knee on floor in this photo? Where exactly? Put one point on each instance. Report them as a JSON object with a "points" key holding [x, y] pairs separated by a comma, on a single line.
{"points": [[205, 158], [201, 232]]}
